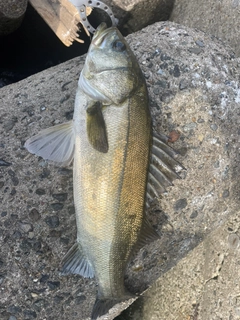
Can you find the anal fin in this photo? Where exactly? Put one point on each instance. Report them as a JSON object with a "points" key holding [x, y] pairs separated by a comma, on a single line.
{"points": [[76, 262]]}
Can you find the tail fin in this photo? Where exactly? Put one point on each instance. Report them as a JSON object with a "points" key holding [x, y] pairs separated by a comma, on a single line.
{"points": [[102, 306]]}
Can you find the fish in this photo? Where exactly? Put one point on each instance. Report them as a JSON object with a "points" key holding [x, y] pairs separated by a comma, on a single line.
{"points": [[119, 165]]}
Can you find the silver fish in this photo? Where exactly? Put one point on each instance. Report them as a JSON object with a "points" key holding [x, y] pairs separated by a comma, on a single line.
{"points": [[118, 165]]}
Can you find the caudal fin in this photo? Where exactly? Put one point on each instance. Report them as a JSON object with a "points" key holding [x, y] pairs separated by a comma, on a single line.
{"points": [[102, 306]]}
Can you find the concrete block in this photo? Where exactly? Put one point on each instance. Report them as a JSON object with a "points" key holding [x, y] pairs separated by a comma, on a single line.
{"points": [[11, 15], [219, 18], [134, 15]]}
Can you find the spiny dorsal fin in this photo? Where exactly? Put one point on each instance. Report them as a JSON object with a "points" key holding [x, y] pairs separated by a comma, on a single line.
{"points": [[77, 263], [96, 128], [163, 167], [55, 143]]}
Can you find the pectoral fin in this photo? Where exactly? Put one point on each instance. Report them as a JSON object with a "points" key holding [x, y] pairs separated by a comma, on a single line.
{"points": [[96, 128], [55, 143]]}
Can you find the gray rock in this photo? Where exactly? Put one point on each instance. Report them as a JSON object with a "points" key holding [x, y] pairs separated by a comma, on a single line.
{"points": [[25, 226], [189, 126], [180, 204], [133, 15], [195, 50], [196, 282], [213, 95], [39, 304], [57, 206], [60, 196], [194, 214], [11, 15], [225, 193], [9, 124], [29, 314], [220, 19], [40, 191], [213, 127], [14, 309], [53, 284], [183, 84], [34, 215], [52, 221], [80, 299]]}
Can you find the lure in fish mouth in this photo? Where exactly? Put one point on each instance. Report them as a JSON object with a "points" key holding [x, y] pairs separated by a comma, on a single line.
{"points": [[119, 165]]}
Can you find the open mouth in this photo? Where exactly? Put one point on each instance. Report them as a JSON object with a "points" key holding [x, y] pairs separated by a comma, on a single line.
{"points": [[101, 31]]}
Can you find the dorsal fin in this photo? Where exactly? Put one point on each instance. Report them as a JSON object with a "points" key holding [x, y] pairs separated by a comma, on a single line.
{"points": [[163, 168]]}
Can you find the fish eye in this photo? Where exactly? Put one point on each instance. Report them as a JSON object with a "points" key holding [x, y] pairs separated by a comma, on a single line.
{"points": [[118, 46]]}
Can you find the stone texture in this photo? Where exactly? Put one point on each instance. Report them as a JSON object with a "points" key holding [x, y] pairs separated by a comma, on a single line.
{"points": [[203, 285], [11, 15], [189, 91], [219, 18], [133, 15]]}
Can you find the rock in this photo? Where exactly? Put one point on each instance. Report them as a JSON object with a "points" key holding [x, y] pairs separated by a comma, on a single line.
{"points": [[180, 204], [57, 206], [34, 215], [40, 191], [11, 15], [80, 299], [29, 314], [133, 15], [52, 221], [53, 284], [4, 163], [192, 287], [209, 185], [44, 278], [220, 19], [25, 226], [39, 304], [14, 309], [60, 196]]}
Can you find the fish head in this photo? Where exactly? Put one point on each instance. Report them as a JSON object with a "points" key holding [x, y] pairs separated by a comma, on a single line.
{"points": [[111, 72]]}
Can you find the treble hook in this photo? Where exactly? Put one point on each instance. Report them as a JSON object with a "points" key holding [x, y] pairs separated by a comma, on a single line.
{"points": [[81, 6]]}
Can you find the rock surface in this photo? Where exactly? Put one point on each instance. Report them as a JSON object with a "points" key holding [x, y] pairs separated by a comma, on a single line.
{"points": [[11, 15], [134, 15], [219, 18], [193, 83], [203, 285]]}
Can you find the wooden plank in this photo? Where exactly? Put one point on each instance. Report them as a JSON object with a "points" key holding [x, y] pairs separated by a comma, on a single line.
{"points": [[62, 17]]}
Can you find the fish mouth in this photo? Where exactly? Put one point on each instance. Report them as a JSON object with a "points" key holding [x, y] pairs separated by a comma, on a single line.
{"points": [[100, 33]]}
